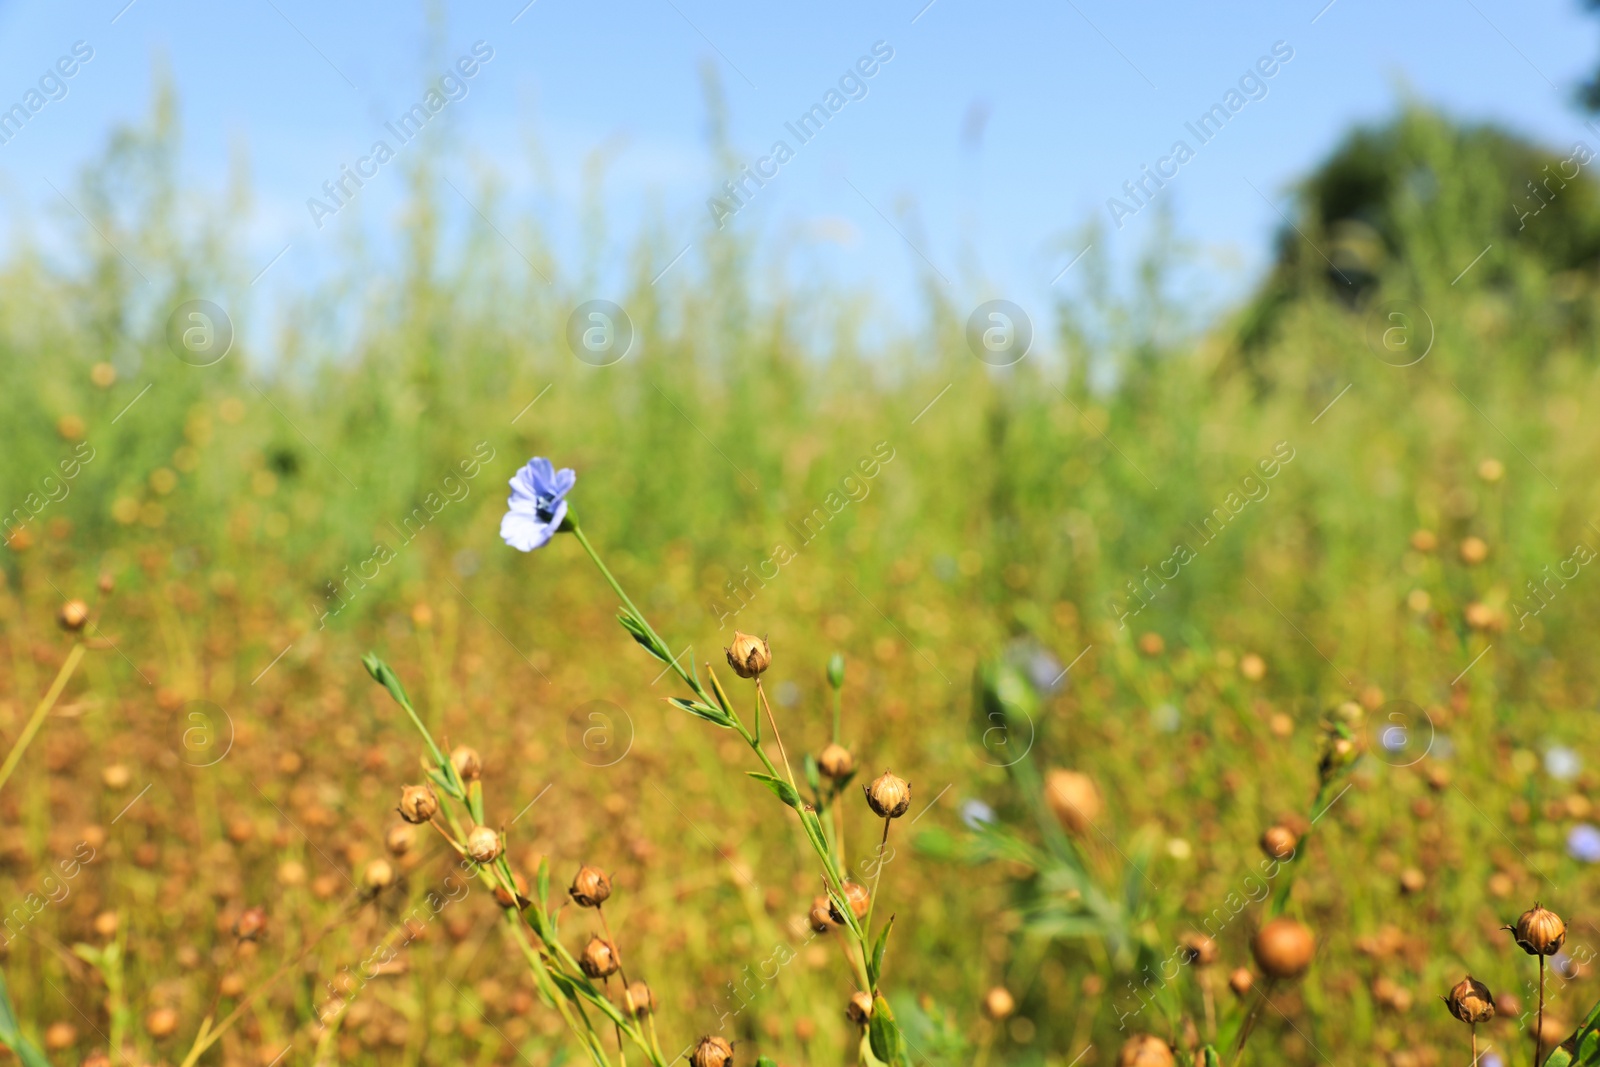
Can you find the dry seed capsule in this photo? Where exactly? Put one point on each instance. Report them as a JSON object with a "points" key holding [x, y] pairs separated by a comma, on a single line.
{"points": [[504, 896], [599, 959], [889, 796], [859, 1009], [1145, 1050], [1278, 842], [400, 838], [1198, 949], [1240, 981], [998, 1003], [856, 896], [162, 1022], [639, 999], [1283, 948], [836, 762], [712, 1051], [820, 916], [378, 875], [590, 887], [418, 803], [251, 924], [1470, 1001], [483, 844], [1539, 931], [467, 764], [74, 615], [748, 655], [1074, 798]]}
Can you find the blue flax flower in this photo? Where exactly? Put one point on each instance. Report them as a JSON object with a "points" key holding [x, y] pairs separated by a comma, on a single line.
{"points": [[1583, 843], [537, 504]]}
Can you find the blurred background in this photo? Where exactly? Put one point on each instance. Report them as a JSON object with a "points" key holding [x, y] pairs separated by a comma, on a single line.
{"points": [[1173, 452]]}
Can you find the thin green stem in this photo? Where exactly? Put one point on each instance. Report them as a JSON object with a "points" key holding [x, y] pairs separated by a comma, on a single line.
{"points": [[40, 712]]}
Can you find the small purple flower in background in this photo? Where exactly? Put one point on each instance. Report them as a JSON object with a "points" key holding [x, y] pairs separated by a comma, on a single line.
{"points": [[537, 504], [1561, 762], [1583, 843], [976, 814], [1491, 1059]]}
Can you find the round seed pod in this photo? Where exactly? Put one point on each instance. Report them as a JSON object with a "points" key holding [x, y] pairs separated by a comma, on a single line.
{"points": [[96, 1058], [998, 1003], [162, 1022], [639, 999], [889, 796], [1074, 798], [836, 762], [599, 959], [418, 803], [1539, 931], [504, 897], [105, 924], [1283, 948], [1198, 949], [483, 844], [400, 838], [250, 924], [378, 875], [1241, 981], [60, 1035], [590, 887], [1278, 842], [859, 1008], [467, 764], [1412, 881], [712, 1051], [1145, 1050], [1470, 1001], [856, 896], [820, 917], [748, 655], [74, 615]]}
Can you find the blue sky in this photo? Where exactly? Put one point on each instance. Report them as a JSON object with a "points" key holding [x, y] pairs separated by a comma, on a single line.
{"points": [[981, 148]]}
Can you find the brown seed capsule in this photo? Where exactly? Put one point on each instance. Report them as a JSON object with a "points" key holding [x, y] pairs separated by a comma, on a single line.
{"points": [[856, 896], [639, 999], [821, 915], [836, 762], [1240, 981], [1412, 881], [418, 803], [400, 838], [599, 959], [1278, 842], [251, 924], [1074, 798], [1283, 948], [504, 897], [859, 1008], [106, 923], [1474, 550], [1198, 949], [162, 1022], [748, 655], [1145, 1050], [1539, 931], [590, 887], [888, 796], [378, 875], [96, 1058], [712, 1051], [483, 844], [998, 1003], [467, 764], [74, 614], [1470, 1001], [60, 1035]]}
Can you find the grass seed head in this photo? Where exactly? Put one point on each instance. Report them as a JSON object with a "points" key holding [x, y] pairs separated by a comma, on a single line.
{"points": [[483, 844], [836, 762], [590, 887], [599, 958], [466, 762], [859, 1009], [748, 655], [1470, 1001], [1283, 948], [418, 803], [1145, 1050], [889, 796], [712, 1051], [74, 614], [1540, 931]]}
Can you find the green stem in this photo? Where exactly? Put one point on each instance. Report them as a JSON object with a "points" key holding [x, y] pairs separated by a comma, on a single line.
{"points": [[40, 712]]}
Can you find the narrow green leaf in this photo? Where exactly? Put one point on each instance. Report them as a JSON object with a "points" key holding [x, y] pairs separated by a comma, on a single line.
{"points": [[784, 791], [384, 675], [875, 965], [813, 774], [1209, 1057], [883, 1033], [710, 714], [544, 882], [637, 630], [11, 1033]]}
